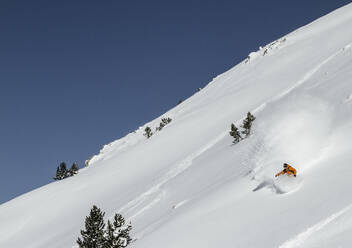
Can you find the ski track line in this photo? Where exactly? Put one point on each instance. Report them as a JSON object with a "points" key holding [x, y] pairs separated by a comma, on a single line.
{"points": [[187, 162], [150, 205], [174, 172], [300, 238]]}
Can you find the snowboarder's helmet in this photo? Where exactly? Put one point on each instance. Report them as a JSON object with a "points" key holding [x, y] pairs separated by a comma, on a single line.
{"points": [[285, 165]]}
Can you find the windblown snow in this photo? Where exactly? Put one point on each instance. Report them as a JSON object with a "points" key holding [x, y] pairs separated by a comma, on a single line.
{"points": [[189, 186]]}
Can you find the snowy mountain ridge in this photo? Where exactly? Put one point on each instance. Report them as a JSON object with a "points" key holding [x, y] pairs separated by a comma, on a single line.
{"points": [[189, 186]]}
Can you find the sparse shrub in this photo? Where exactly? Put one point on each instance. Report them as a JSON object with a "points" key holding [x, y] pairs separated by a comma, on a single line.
{"points": [[148, 132], [235, 134], [166, 120], [163, 123], [247, 124], [161, 126]]}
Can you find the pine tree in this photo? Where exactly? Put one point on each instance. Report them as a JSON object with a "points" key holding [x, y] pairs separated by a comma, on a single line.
{"points": [[58, 174], [117, 234], [148, 132], [61, 172], [73, 170], [64, 171], [122, 230], [235, 134], [109, 236], [93, 236], [247, 124]]}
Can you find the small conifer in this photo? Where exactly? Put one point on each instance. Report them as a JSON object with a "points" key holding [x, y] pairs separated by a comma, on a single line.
{"points": [[235, 134], [166, 120], [93, 235], [73, 170], [61, 172], [161, 126], [148, 132], [163, 123], [247, 124], [117, 233], [58, 174]]}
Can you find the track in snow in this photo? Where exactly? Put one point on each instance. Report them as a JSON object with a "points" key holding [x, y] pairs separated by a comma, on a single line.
{"points": [[300, 238], [155, 193]]}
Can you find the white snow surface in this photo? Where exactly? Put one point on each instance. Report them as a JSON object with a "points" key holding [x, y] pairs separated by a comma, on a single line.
{"points": [[189, 186]]}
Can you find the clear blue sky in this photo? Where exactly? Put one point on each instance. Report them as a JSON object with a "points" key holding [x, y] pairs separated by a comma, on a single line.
{"points": [[75, 75]]}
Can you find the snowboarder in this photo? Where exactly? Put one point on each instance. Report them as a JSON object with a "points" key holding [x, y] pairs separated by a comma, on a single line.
{"points": [[289, 170]]}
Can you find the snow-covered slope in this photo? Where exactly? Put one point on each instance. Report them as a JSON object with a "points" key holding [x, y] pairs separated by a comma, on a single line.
{"points": [[188, 186]]}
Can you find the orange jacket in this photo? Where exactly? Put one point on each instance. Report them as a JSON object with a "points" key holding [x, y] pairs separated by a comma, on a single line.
{"points": [[289, 170]]}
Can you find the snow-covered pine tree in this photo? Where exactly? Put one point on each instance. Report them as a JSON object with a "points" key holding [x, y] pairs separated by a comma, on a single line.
{"points": [[93, 236], [123, 230], [73, 170], [247, 124], [148, 132], [117, 234], [109, 236], [64, 171], [61, 172], [235, 134], [58, 174]]}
